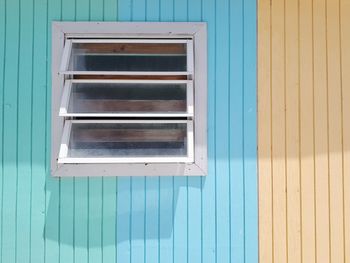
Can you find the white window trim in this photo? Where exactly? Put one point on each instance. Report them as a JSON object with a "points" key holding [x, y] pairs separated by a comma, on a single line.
{"points": [[196, 32]]}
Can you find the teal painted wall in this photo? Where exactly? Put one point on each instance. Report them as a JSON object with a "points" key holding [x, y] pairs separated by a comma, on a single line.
{"points": [[170, 219]]}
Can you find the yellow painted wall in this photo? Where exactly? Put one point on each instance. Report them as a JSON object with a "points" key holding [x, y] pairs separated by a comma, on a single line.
{"points": [[304, 130]]}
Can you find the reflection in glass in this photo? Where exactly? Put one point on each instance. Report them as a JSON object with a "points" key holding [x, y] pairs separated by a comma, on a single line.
{"points": [[127, 140], [127, 98], [128, 57]]}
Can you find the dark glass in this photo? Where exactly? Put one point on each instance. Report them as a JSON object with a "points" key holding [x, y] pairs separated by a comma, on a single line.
{"points": [[127, 140], [128, 57], [127, 98]]}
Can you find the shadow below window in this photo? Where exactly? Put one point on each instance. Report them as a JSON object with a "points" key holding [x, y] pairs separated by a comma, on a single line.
{"points": [[81, 210]]}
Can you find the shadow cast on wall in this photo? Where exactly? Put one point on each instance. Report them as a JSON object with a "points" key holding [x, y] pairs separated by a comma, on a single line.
{"points": [[79, 208]]}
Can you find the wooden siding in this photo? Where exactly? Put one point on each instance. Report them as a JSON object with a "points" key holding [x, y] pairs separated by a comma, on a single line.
{"points": [[304, 130], [170, 219]]}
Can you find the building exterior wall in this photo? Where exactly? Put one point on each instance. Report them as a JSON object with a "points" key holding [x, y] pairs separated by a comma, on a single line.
{"points": [[168, 219], [304, 130]]}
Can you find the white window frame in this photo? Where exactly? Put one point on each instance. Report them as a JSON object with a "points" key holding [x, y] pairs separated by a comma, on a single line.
{"points": [[193, 33]]}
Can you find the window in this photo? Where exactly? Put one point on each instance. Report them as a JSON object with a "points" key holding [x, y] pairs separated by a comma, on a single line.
{"points": [[129, 99]]}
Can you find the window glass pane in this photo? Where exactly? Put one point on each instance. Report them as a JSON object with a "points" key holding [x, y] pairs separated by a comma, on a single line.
{"points": [[127, 98], [128, 57], [127, 140]]}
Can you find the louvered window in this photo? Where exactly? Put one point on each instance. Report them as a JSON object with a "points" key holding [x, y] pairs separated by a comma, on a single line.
{"points": [[128, 99]]}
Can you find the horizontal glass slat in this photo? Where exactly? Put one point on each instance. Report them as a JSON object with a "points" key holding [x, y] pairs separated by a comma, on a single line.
{"points": [[134, 140], [126, 57], [126, 98]]}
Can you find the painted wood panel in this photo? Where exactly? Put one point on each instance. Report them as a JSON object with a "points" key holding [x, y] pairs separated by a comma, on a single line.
{"points": [[140, 219], [303, 150]]}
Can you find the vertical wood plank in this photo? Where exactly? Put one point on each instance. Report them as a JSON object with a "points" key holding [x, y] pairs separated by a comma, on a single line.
{"points": [[264, 134], [152, 220], [81, 220], [124, 10], [236, 162], [222, 132], [180, 226], [66, 220], [82, 10], [108, 219], [24, 132], [250, 136], [68, 10], [180, 10], [194, 219], [209, 196], [95, 219], [278, 131], [166, 10], [292, 131], [335, 133], [138, 219], [110, 10], [307, 130], [345, 77], [139, 10], [321, 136], [96, 10], [39, 131], [123, 231], [2, 85], [9, 135], [51, 231], [152, 10], [166, 219], [180, 212]]}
